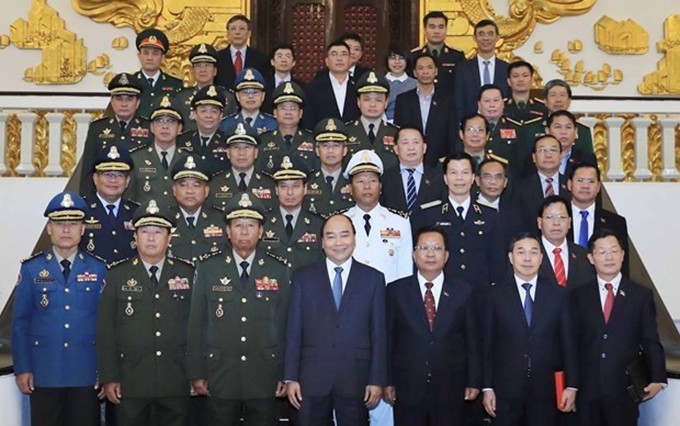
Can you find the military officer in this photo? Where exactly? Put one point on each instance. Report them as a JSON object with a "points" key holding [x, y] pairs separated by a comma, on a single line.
{"points": [[327, 190], [290, 231], [203, 58], [206, 141], [242, 151], [474, 239], [370, 131], [142, 327], [108, 223], [151, 177], [520, 106], [152, 45], [446, 57], [237, 323], [124, 128], [250, 94], [200, 227], [289, 138], [53, 325]]}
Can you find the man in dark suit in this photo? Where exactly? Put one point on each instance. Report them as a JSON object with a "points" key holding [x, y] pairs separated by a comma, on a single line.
{"points": [[428, 181], [428, 110], [616, 320], [546, 181], [564, 262], [356, 51], [433, 351], [238, 55], [336, 335], [588, 212], [483, 69], [528, 336], [324, 94]]}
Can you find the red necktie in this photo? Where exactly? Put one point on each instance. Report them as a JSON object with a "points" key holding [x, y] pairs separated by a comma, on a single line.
{"points": [[549, 190], [238, 63], [608, 302], [429, 305], [560, 274]]}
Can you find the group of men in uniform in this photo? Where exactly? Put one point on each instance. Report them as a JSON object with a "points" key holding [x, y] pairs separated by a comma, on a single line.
{"points": [[200, 209]]}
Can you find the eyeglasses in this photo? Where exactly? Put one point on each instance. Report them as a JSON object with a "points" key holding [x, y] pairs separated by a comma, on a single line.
{"points": [[113, 175], [471, 129], [342, 54], [558, 217], [330, 145], [436, 249], [544, 150], [614, 251], [166, 120], [250, 91], [288, 107]]}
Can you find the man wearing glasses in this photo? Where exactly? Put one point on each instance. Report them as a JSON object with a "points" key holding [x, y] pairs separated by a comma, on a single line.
{"points": [[334, 95], [250, 93], [434, 364]]}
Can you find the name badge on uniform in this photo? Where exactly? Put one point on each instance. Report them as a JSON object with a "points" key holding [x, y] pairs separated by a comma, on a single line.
{"points": [[443, 223], [131, 285], [222, 288]]}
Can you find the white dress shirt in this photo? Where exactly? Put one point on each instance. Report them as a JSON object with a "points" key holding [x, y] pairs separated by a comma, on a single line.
{"points": [[492, 68], [116, 204], [437, 286], [564, 254], [233, 51], [576, 220], [417, 176], [152, 77], [555, 182], [522, 292], [340, 92], [465, 205], [481, 199], [616, 282], [330, 267], [238, 259]]}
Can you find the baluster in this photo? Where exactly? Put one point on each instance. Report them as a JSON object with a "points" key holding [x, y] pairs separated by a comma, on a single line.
{"points": [[3, 141], [615, 171], [82, 120], [642, 171], [670, 170], [25, 166], [55, 120]]}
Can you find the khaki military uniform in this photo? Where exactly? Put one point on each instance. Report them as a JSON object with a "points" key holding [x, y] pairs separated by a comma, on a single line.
{"points": [[538, 126], [183, 98], [385, 140], [151, 96], [214, 154], [208, 235], [225, 185], [304, 245], [322, 201], [148, 180]]}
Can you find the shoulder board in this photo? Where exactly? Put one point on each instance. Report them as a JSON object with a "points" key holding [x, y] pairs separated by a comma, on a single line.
{"points": [[497, 158], [533, 120], [430, 204], [508, 101], [340, 211], [99, 258], [454, 49], [131, 203], [515, 122], [417, 49], [232, 115], [388, 124], [304, 131], [266, 114], [100, 120], [118, 262], [135, 148], [33, 256], [182, 260], [280, 259], [539, 100], [205, 256], [398, 212]]}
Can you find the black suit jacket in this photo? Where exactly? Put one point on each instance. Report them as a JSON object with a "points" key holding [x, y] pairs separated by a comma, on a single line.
{"points": [[448, 356], [320, 103], [579, 269], [606, 349], [467, 84], [330, 351], [529, 196], [441, 128], [394, 195], [577, 156], [520, 361], [254, 59], [358, 72]]}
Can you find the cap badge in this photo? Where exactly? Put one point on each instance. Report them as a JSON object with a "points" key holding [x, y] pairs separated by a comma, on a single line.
{"points": [[212, 92], [240, 130], [153, 39], [165, 103], [366, 157], [286, 163], [113, 153], [249, 75], [202, 48], [124, 80], [67, 201], [288, 89], [245, 201], [372, 78], [153, 207], [330, 126], [190, 163]]}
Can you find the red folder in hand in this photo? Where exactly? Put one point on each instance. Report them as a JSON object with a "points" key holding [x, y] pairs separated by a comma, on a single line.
{"points": [[559, 387]]}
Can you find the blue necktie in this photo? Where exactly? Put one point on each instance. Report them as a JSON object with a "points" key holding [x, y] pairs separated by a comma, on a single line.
{"points": [[337, 287], [487, 73], [528, 303], [583, 232], [411, 193]]}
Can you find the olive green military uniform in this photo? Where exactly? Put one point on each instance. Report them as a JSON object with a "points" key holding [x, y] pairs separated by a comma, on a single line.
{"points": [[207, 236], [504, 139], [385, 136], [322, 201], [151, 96], [213, 151], [524, 111], [224, 186], [273, 147], [304, 245], [538, 126], [183, 98], [148, 180], [141, 338], [447, 58], [236, 334]]}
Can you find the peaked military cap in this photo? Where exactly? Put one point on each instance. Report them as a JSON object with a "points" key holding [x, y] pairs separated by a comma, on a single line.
{"points": [[209, 95], [289, 92], [365, 160], [151, 214], [113, 159], [241, 135], [152, 37], [66, 206], [192, 167], [249, 78], [203, 53], [372, 82], [329, 130], [166, 109], [289, 169], [124, 84], [245, 205]]}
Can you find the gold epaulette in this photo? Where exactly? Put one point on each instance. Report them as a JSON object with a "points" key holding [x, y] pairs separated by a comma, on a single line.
{"points": [[497, 158], [279, 258], [205, 256], [515, 122], [136, 148], [33, 256], [430, 204], [117, 262], [333, 213], [533, 120], [398, 212], [539, 100], [187, 261]]}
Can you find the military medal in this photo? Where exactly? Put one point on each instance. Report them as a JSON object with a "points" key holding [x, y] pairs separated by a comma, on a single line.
{"points": [[219, 313], [147, 186], [44, 301], [90, 245], [129, 310], [390, 252]]}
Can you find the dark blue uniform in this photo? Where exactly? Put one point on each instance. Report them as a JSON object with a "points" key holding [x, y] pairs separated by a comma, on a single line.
{"points": [[263, 123], [110, 239]]}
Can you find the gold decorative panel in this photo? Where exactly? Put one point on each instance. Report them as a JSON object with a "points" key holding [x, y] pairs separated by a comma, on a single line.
{"points": [[578, 75], [621, 37], [666, 79]]}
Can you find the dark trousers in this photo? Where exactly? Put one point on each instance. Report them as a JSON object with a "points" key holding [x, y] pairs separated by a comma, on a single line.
{"points": [[318, 411], [525, 413], [255, 412], [64, 406], [428, 412], [167, 411], [198, 411], [620, 412]]}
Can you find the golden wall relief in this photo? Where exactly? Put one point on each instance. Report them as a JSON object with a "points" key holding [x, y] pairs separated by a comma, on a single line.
{"points": [[578, 75], [666, 79], [621, 37]]}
